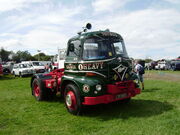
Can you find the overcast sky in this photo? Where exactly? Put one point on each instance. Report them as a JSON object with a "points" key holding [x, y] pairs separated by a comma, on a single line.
{"points": [[150, 28]]}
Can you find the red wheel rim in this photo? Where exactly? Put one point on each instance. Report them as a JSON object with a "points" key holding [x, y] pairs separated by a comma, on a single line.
{"points": [[71, 100], [36, 89]]}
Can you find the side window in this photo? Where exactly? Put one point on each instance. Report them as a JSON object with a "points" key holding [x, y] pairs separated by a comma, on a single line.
{"points": [[118, 48], [15, 67], [77, 48]]}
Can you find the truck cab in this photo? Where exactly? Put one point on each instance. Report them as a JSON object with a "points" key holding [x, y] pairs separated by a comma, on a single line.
{"points": [[97, 70]]}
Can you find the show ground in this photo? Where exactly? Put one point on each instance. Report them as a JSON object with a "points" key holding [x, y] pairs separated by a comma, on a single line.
{"points": [[156, 111]]}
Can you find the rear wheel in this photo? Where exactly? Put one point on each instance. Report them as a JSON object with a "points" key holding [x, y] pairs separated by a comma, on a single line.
{"points": [[38, 90], [72, 99]]}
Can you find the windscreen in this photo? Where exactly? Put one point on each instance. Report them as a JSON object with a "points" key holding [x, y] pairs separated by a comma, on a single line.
{"points": [[24, 66], [37, 64], [103, 48]]}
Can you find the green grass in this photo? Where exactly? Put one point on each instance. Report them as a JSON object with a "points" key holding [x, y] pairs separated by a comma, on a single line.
{"points": [[163, 71], [156, 111]]}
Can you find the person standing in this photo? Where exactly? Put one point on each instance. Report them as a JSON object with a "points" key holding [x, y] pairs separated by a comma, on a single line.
{"points": [[47, 67], [139, 69]]}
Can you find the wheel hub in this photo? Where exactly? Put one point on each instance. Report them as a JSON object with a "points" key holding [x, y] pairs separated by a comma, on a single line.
{"points": [[36, 90], [71, 100], [68, 100]]}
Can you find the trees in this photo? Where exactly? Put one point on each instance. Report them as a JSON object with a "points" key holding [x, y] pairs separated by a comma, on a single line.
{"points": [[4, 54], [42, 57], [147, 60], [22, 56]]}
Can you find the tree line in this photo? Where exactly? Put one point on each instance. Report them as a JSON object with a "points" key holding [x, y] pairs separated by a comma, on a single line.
{"points": [[19, 56]]}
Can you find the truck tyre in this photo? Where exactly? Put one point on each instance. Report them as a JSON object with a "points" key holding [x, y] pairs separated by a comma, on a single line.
{"points": [[72, 99], [38, 90]]}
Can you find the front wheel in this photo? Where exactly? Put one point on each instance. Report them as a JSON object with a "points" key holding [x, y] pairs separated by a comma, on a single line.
{"points": [[72, 99]]}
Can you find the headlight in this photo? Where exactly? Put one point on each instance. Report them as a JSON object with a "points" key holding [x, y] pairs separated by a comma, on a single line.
{"points": [[86, 88], [136, 81], [98, 87]]}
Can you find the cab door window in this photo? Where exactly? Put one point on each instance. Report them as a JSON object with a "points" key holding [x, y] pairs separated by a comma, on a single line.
{"points": [[77, 47]]}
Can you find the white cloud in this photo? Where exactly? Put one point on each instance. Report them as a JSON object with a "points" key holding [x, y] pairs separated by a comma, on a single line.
{"points": [[107, 5], [46, 14], [173, 1], [146, 31], [45, 28], [6, 5], [46, 40]]}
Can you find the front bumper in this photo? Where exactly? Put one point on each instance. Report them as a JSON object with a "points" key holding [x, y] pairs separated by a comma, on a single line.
{"points": [[115, 92]]}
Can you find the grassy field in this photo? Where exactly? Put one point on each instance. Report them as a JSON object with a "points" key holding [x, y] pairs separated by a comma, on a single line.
{"points": [[163, 72], [156, 111]]}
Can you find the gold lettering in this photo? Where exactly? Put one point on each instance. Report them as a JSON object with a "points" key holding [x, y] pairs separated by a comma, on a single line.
{"points": [[85, 66], [94, 66], [80, 67], [101, 65], [97, 65], [89, 66]]}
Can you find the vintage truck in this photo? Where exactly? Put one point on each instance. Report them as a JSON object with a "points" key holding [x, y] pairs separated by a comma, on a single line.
{"points": [[97, 70]]}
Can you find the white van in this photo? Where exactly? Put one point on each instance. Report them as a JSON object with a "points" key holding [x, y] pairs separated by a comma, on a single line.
{"points": [[37, 66]]}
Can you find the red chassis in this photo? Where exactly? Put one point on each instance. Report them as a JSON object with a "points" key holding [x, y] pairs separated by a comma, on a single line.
{"points": [[115, 92]]}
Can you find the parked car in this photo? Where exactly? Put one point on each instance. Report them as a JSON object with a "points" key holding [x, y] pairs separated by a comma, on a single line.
{"points": [[36, 65], [148, 66], [175, 65], [163, 65], [7, 67], [22, 70]]}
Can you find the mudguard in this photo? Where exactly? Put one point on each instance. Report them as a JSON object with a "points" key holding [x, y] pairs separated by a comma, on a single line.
{"points": [[80, 81]]}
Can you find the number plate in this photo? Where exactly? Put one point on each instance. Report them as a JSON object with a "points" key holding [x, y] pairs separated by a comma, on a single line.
{"points": [[121, 95]]}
